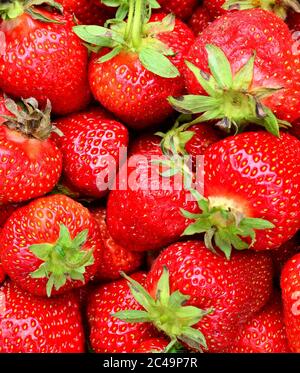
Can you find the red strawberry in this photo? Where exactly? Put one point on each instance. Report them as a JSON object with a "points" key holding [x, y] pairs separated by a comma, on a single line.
{"points": [[151, 345], [281, 255], [91, 146], [254, 73], [88, 12], [41, 58], [199, 20], [234, 289], [115, 257], [135, 83], [51, 245], [2, 274], [30, 162], [264, 332], [290, 286], [143, 211], [107, 333], [146, 144], [181, 8], [6, 211], [33, 324], [251, 184]]}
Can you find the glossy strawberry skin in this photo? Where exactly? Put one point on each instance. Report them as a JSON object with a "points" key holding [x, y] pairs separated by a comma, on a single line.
{"points": [[260, 174], [6, 211], [91, 146], [36, 223], [146, 144], [181, 8], [88, 12], [199, 20], [31, 324], [290, 286], [115, 258], [136, 96], [214, 8], [41, 59], [146, 215], [111, 335], [151, 346], [264, 332], [238, 34], [236, 289]]}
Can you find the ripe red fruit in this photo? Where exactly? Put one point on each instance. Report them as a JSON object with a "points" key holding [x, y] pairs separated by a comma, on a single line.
{"points": [[51, 245], [30, 162], [92, 146], [151, 346], [250, 177], [40, 59], [146, 215], [234, 289], [135, 83], [6, 211], [107, 333], [88, 12], [181, 8], [255, 76], [33, 324], [200, 20], [2, 274], [146, 144], [281, 255], [264, 332], [115, 258], [290, 286]]}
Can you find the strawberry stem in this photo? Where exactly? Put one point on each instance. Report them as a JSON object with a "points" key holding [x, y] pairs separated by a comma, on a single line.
{"points": [[137, 22]]}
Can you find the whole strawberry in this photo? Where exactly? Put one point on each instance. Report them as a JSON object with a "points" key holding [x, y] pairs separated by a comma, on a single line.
{"points": [[51, 245], [88, 12], [264, 332], [243, 75], [115, 258], [41, 56], [143, 210], [92, 146], [200, 20], [233, 290], [107, 333], [251, 184], [290, 286], [38, 325], [30, 162], [138, 64], [181, 8]]}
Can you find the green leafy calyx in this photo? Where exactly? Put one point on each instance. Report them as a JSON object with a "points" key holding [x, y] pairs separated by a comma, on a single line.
{"points": [[64, 260], [167, 312], [280, 8], [223, 224], [137, 35], [230, 99]]}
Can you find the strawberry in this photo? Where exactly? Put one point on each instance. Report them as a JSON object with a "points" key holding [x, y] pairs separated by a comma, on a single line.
{"points": [[151, 346], [30, 162], [197, 297], [281, 255], [255, 77], [264, 332], [138, 64], [293, 21], [199, 20], [115, 258], [251, 184], [33, 324], [88, 12], [2, 274], [92, 146], [215, 8], [290, 286], [143, 210], [107, 333], [41, 56], [51, 245], [6, 211], [146, 144], [181, 8]]}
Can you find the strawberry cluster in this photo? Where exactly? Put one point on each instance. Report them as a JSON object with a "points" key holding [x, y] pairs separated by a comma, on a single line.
{"points": [[149, 176]]}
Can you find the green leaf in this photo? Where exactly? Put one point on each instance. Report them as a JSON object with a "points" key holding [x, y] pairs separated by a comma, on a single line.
{"points": [[49, 286], [108, 56], [257, 223], [219, 66], [193, 338], [243, 78], [189, 215], [132, 316], [96, 35], [80, 239], [207, 82], [41, 272], [41, 251], [200, 226], [178, 299], [41, 17], [222, 243], [193, 104], [157, 63], [166, 25], [64, 236], [163, 287]]}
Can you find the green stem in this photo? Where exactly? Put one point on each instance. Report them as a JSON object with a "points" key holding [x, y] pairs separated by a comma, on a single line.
{"points": [[129, 20], [138, 19]]}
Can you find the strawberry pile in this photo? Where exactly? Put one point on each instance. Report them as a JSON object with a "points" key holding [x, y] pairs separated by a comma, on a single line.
{"points": [[149, 176]]}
